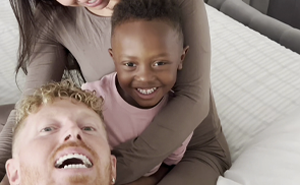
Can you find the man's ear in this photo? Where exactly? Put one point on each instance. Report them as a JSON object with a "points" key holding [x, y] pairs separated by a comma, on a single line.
{"points": [[13, 172], [110, 52], [113, 160], [182, 57]]}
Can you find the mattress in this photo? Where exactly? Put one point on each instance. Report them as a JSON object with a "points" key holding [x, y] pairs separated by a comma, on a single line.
{"points": [[256, 84], [255, 80]]}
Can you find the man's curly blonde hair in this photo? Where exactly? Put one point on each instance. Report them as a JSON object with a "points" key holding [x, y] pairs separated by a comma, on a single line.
{"points": [[48, 93]]}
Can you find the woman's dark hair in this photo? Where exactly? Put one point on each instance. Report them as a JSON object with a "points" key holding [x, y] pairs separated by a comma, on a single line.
{"points": [[131, 10], [29, 27]]}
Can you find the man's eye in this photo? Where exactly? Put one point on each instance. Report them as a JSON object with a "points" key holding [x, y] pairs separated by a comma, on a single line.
{"points": [[130, 64], [88, 129], [47, 129]]}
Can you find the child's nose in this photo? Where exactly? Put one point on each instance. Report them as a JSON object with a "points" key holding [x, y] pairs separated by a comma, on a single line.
{"points": [[145, 74]]}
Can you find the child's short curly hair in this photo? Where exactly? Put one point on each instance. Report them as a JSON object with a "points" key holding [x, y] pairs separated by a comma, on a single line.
{"points": [[48, 93], [133, 10]]}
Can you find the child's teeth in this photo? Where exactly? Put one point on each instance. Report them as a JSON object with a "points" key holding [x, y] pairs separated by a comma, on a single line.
{"points": [[91, 1], [146, 91]]}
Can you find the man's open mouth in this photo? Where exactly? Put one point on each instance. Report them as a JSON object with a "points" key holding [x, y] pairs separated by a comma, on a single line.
{"points": [[73, 161]]}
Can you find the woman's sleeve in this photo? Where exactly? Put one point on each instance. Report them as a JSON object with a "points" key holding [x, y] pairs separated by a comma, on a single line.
{"points": [[47, 64], [185, 112], [207, 155]]}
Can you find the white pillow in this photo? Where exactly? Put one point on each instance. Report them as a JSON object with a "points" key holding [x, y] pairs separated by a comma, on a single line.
{"points": [[272, 157], [9, 39]]}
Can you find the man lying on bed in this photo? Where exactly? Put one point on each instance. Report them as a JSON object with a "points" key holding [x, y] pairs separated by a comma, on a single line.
{"points": [[59, 138]]}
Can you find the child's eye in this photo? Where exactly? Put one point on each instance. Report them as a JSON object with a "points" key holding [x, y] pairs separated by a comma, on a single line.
{"points": [[130, 64], [160, 63], [47, 129], [88, 129]]}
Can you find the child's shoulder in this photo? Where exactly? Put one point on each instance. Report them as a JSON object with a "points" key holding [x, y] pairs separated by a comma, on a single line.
{"points": [[100, 86]]}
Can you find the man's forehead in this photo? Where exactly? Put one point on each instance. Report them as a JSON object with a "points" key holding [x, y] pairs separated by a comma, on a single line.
{"points": [[61, 109], [63, 104], [61, 113]]}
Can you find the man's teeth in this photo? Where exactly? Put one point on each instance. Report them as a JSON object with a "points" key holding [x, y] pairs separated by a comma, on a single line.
{"points": [[86, 162], [147, 91], [75, 166], [91, 1]]}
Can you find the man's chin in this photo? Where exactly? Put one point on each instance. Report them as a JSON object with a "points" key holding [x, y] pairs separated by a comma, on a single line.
{"points": [[74, 176], [87, 176], [79, 179]]}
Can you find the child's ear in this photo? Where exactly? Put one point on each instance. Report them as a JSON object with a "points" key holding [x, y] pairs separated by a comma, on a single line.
{"points": [[13, 172], [182, 57], [110, 52]]}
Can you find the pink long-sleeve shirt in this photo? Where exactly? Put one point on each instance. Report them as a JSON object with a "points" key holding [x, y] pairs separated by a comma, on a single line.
{"points": [[124, 121]]}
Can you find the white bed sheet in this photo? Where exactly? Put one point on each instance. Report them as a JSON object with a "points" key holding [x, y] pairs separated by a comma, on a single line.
{"points": [[256, 83], [255, 80]]}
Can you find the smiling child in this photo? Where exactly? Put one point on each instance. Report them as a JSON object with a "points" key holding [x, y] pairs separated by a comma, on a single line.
{"points": [[147, 49]]}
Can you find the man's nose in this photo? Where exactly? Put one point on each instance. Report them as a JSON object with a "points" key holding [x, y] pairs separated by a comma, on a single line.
{"points": [[73, 134]]}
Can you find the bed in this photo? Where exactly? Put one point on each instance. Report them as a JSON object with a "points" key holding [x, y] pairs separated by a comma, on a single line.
{"points": [[256, 84]]}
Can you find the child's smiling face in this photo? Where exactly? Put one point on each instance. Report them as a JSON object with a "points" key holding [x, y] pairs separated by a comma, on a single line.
{"points": [[147, 55]]}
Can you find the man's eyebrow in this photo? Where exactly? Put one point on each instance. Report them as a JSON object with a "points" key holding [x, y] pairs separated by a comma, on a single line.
{"points": [[89, 116]]}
